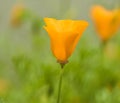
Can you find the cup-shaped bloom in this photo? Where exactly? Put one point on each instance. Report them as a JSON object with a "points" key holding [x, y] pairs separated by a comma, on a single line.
{"points": [[16, 14], [107, 22], [64, 36]]}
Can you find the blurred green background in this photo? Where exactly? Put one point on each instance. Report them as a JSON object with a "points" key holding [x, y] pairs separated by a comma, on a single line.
{"points": [[28, 71]]}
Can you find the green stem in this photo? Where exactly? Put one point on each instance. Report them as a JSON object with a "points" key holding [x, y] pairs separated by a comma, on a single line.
{"points": [[60, 85]]}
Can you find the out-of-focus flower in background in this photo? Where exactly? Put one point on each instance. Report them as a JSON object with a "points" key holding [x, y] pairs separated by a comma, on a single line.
{"points": [[107, 22], [17, 14], [4, 86], [64, 36]]}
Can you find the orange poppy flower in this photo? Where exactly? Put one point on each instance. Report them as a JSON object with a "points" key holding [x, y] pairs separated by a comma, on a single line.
{"points": [[64, 35], [16, 14], [107, 22]]}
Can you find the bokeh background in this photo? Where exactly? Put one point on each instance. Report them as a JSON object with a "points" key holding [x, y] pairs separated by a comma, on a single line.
{"points": [[28, 71]]}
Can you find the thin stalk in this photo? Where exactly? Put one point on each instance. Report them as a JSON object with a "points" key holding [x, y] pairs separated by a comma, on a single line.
{"points": [[60, 85]]}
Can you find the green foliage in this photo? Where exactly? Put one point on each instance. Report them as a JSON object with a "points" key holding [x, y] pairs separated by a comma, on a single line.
{"points": [[89, 77]]}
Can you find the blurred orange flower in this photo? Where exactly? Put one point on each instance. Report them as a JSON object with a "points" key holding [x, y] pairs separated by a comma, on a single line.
{"points": [[16, 14], [64, 36], [107, 22], [4, 85]]}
